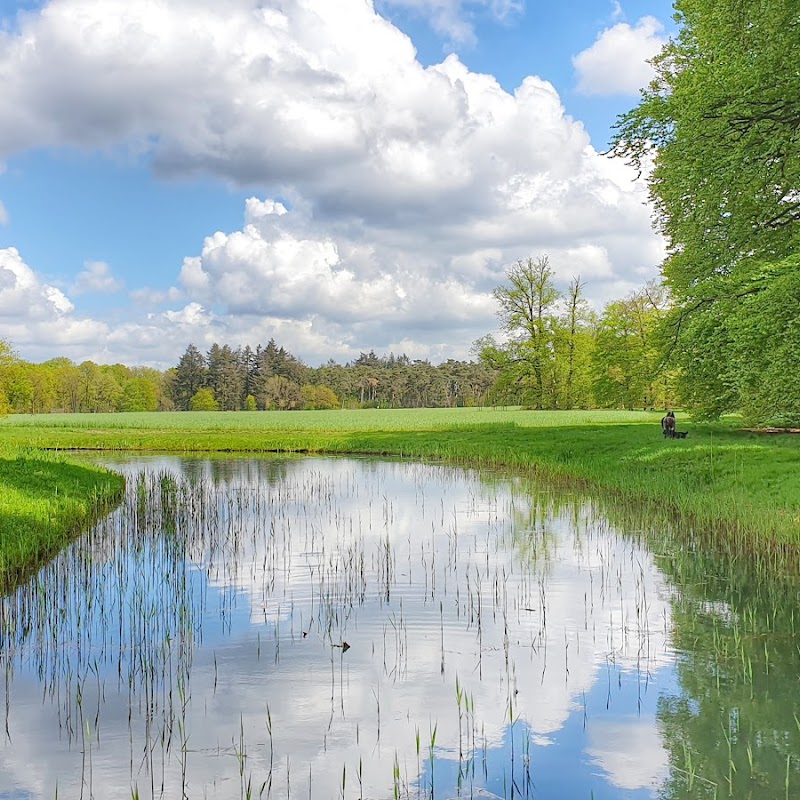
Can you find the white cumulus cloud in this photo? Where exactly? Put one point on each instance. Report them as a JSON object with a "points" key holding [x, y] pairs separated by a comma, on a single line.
{"points": [[618, 61], [22, 294], [630, 751], [96, 278], [37, 317], [453, 18], [397, 194]]}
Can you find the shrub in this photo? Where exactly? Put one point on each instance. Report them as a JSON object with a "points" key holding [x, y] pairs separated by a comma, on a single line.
{"points": [[203, 400]]}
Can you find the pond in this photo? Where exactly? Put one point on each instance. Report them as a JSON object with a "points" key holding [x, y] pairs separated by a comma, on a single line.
{"points": [[354, 628]]}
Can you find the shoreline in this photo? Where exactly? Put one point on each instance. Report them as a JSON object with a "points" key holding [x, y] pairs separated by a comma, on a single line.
{"points": [[735, 488]]}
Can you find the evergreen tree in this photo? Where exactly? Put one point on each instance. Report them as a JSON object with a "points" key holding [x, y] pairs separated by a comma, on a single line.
{"points": [[190, 376], [248, 364], [225, 378]]}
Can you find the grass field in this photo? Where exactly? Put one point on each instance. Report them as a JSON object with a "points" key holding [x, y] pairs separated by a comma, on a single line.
{"points": [[743, 485], [400, 419], [44, 501]]}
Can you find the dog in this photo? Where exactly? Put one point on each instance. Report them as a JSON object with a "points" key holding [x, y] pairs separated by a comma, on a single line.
{"points": [[680, 434]]}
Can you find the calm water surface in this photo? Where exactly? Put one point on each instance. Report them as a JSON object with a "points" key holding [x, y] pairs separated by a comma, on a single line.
{"points": [[352, 628]]}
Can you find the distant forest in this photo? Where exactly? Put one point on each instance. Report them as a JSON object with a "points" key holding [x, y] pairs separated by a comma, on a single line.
{"points": [[228, 379], [556, 353]]}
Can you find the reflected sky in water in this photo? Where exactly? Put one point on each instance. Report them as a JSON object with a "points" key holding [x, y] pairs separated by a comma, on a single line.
{"points": [[338, 627]]}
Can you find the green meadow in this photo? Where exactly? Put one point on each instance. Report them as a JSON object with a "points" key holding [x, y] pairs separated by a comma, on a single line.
{"points": [[27, 427], [44, 501], [740, 487]]}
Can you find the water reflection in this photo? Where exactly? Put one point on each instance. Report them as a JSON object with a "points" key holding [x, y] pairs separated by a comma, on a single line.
{"points": [[323, 628], [734, 728]]}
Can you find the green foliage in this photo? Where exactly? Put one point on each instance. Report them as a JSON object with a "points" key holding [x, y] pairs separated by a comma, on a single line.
{"points": [[318, 397], [7, 364], [735, 719], [203, 400], [60, 385], [250, 403], [545, 362], [723, 114], [279, 393], [43, 502], [749, 344], [720, 122], [578, 340], [274, 377], [766, 341], [140, 392], [7, 355], [527, 312], [190, 376], [225, 377], [629, 367]]}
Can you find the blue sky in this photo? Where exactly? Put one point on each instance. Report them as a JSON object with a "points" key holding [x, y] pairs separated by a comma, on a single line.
{"points": [[341, 176]]}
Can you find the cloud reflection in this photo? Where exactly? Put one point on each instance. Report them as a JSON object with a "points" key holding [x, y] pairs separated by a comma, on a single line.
{"points": [[467, 603]]}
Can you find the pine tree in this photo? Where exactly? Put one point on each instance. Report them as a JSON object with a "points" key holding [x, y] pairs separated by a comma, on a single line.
{"points": [[190, 376]]}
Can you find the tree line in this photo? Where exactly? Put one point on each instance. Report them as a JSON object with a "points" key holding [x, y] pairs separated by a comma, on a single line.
{"points": [[232, 379], [556, 352], [269, 377]]}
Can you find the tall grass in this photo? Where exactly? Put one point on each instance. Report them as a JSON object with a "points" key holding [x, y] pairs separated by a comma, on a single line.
{"points": [[44, 501], [741, 484], [359, 596]]}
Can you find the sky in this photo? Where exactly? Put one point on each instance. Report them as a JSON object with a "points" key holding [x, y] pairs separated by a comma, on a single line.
{"points": [[339, 175]]}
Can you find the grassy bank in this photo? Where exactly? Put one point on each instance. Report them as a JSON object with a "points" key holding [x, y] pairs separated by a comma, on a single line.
{"points": [[744, 484], [44, 500]]}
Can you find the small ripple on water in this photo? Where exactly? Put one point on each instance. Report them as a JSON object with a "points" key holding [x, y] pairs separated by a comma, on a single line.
{"points": [[299, 626]]}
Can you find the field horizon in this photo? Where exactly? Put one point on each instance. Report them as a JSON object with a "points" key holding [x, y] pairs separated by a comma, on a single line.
{"points": [[740, 484]]}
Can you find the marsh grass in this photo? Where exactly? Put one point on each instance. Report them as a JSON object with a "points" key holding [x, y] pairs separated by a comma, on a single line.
{"points": [[332, 556], [739, 486], [325, 554]]}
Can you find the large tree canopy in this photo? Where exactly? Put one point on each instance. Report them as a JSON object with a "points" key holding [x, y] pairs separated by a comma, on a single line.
{"points": [[722, 120], [546, 358], [720, 129]]}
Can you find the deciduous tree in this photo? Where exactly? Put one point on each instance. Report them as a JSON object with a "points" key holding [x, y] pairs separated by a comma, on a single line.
{"points": [[527, 312], [203, 400], [630, 368], [719, 127]]}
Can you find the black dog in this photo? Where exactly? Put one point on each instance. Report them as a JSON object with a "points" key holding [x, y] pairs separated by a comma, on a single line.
{"points": [[680, 434]]}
